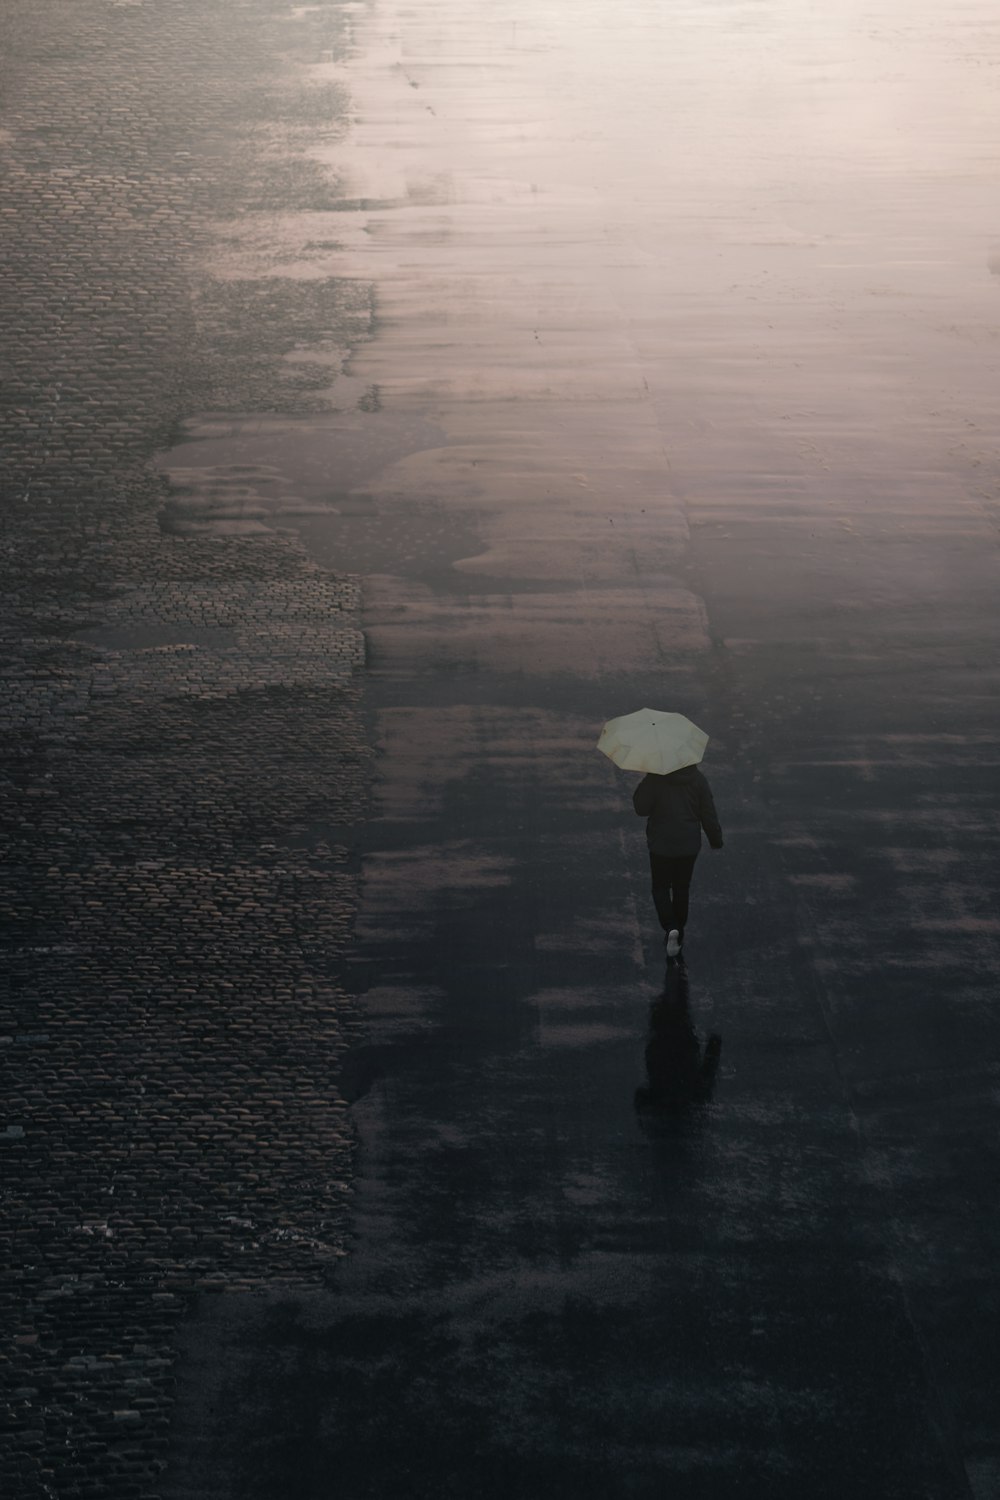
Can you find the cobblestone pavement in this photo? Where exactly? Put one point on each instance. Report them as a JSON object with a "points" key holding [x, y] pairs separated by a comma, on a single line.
{"points": [[183, 751]]}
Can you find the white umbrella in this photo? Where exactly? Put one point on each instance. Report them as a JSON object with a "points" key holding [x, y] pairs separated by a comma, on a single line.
{"points": [[652, 741]]}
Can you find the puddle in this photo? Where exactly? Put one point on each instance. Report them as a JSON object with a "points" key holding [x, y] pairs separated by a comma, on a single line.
{"points": [[288, 464], [262, 473]]}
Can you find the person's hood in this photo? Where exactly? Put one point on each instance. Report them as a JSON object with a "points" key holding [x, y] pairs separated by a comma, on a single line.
{"points": [[686, 773]]}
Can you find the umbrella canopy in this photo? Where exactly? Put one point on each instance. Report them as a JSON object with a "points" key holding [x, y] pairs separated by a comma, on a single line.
{"points": [[652, 741]]}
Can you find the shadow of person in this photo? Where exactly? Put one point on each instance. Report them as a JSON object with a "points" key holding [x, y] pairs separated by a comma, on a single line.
{"points": [[679, 1073]]}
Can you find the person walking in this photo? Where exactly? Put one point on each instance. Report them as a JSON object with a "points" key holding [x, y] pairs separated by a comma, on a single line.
{"points": [[676, 808]]}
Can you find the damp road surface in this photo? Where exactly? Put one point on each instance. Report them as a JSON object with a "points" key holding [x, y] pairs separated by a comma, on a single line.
{"points": [[682, 393]]}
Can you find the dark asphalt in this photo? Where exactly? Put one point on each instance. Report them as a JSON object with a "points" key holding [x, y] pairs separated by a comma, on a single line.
{"points": [[558, 1287], [709, 442], [713, 437], [644, 359]]}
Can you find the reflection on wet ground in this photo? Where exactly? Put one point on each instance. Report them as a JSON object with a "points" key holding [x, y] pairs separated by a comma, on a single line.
{"points": [[694, 307], [680, 1073]]}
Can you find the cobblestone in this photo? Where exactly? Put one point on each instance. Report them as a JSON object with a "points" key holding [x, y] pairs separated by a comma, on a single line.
{"points": [[183, 749]]}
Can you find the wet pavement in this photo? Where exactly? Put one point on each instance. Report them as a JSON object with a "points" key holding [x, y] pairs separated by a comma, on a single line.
{"points": [[183, 747], [445, 379], [686, 328]]}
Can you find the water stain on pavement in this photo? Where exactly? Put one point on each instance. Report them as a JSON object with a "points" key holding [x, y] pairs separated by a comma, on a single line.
{"points": [[245, 474]]}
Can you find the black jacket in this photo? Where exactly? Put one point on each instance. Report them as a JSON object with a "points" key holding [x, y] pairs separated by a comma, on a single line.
{"points": [[677, 807]]}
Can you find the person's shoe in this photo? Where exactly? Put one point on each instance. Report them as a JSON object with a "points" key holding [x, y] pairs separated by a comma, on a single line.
{"points": [[673, 943]]}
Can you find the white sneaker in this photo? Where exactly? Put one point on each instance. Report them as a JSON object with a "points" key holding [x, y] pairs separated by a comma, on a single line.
{"points": [[673, 943]]}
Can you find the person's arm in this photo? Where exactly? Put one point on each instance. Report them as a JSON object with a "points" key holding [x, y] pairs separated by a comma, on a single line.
{"points": [[642, 797], [709, 817]]}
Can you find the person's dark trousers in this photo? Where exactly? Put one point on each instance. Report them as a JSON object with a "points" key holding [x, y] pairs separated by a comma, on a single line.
{"points": [[671, 884]]}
